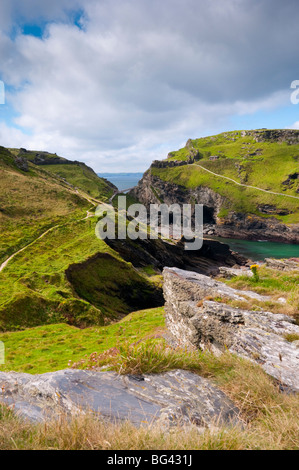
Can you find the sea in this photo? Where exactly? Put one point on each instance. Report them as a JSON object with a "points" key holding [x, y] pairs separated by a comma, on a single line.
{"points": [[122, 180], [258, 251]]}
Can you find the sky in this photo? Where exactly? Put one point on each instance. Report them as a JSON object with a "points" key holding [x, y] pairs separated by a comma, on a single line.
{"points": [[120, 83]]}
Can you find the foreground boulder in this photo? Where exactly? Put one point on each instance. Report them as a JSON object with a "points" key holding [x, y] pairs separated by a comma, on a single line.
{"points": [[176, 397], [205, 324]]}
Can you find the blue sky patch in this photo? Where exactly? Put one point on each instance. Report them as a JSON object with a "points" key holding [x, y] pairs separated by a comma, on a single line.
{"points": [[33, 30], [275, 119], [77, 17]]}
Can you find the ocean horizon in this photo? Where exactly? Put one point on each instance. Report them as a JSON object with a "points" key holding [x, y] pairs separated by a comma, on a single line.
{"points": [[122, 180]]}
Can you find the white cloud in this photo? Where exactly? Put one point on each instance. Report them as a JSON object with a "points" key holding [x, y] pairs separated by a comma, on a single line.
{"points": [[13, 12], [295, 125], [11, 134], [144, 76]]}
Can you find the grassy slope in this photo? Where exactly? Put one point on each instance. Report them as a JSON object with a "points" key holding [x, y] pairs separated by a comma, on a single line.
{"points": [[37, 278], [275, 284], [32, 202], [34, 287], [76, 173], [50, 348], [268, 169], [82, 177]]}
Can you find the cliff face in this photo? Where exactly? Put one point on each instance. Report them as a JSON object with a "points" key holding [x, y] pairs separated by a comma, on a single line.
{"points": [[252, 227], [153, 190], [290, 136]]}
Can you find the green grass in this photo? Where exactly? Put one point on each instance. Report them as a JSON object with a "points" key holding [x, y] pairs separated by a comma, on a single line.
{"points": [[68, 275], [149, 270], [33, 201], [274, 283], [34, 288], [268, 169], [113, 285], [30, 203], [51, 347], [292, 337], [269, 416], [71, 275], [75, 173], [81, 176]]}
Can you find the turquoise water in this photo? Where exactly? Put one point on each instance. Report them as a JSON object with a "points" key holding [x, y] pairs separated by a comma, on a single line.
{"points": [[258, 251], [122, 180]]}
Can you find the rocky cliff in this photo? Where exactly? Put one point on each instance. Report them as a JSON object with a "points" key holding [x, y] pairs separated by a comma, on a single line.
{"points": [[248, 182], [206, 324], [153, 190]]}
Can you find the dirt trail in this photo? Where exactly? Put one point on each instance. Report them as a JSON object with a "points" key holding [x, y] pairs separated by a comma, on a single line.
{"points": [[245, 185], [3, 265]]}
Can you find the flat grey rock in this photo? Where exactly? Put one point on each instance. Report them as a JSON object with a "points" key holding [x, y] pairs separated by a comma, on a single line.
{"points": [[283, 264], [229, 273], [200, 286], [176, 397]]}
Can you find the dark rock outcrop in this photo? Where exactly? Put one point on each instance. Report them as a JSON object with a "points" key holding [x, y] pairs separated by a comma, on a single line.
{"points": [[177, 397], [291, 136], [21, 163], [153, 190], [170, 193], [252, 227], [159, 253]]}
